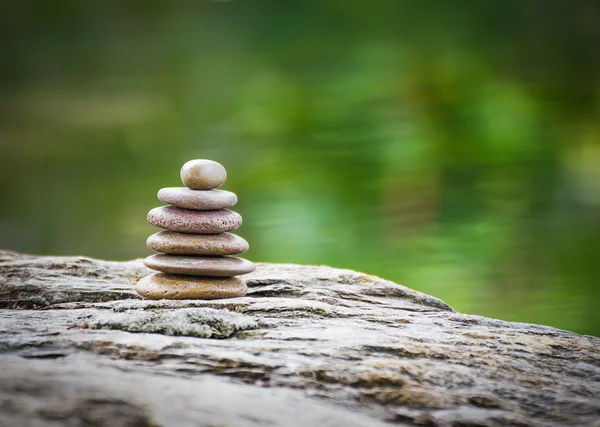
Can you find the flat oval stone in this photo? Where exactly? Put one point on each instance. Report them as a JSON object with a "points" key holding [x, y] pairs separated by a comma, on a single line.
{"points": [[224, 266], [170, 242], [202, 174], [200, 200], [200, 222], [173, 286]]}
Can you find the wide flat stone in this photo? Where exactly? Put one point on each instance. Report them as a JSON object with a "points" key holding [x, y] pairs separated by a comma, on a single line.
{"points": [[201, 200], [174, 286], [224, 266], [170, 242], [189, 221]]}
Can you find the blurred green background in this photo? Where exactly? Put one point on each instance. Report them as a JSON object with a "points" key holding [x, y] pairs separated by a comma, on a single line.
{"points": [[453, 147]]}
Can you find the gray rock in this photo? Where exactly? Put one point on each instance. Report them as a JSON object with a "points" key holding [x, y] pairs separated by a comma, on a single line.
{"points": [[220, 266], [307, 346], [201, 200], [188, 221], [83, 392]]}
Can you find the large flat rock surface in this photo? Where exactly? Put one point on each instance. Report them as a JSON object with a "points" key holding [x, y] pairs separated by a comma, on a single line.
{"points": [[308, 346]]}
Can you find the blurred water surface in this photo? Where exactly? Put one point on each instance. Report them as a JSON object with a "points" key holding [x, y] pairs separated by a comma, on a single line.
{"points": [[451, 147]]}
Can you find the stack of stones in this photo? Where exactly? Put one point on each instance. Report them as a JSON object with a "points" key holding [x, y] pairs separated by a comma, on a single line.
{"points": [[196, 259]]}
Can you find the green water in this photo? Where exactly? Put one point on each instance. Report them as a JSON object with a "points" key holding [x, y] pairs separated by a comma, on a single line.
{"points": [[450, 147]]}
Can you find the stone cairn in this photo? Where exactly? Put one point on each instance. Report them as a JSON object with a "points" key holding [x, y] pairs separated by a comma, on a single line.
{"points": [[196, 259]]}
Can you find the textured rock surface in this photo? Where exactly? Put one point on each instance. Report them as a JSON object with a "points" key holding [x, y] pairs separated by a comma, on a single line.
{"points": [[307, 346], [188, 221]]}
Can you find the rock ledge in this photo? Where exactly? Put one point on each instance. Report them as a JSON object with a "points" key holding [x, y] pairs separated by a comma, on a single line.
{"points": [[308, 345]]}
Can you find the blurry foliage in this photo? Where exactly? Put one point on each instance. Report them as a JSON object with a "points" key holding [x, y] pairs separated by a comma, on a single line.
{"points": [[451, 147]]}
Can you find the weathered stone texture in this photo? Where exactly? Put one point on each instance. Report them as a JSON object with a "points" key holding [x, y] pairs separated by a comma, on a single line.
{"points": [[308, 345]]}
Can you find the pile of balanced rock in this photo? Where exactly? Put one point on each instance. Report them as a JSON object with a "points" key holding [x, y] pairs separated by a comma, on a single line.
{"points": [[196, 259]]}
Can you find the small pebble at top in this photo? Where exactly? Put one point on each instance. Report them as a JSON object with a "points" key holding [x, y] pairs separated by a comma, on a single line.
{"points": [[201, 174]]}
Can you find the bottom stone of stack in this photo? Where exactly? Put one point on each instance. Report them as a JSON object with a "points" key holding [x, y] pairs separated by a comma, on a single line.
{"points": [[176, 286]]}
